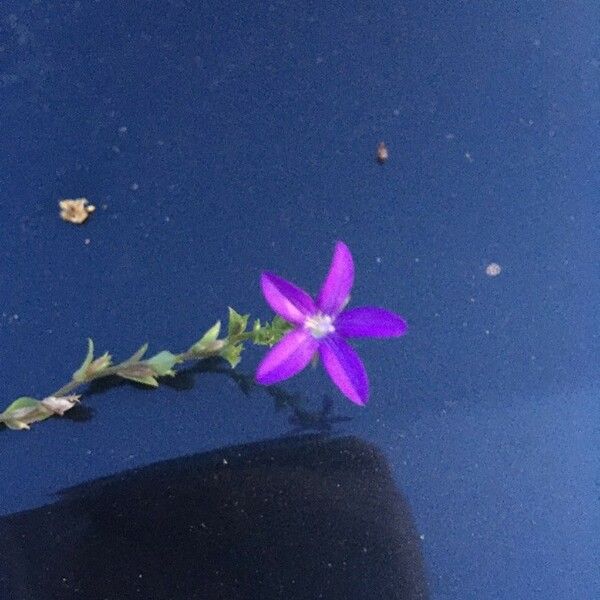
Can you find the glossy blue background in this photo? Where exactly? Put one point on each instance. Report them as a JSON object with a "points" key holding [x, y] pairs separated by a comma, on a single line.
{"points": [[219, 139]]}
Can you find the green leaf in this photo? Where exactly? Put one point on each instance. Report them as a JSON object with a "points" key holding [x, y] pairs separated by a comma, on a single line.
{"points": [[20, 403], [98, 365], [208, 341], [212, 334], [145, 380], [162, 363], [24, 411], [89, 367], [140, 373], [137, 356], [237, 323], [279, 323], [232, 354], [269, 333], [80, 374]]}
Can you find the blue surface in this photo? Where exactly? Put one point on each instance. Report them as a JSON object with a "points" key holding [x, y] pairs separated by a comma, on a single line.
{"points": [[220, 140]]}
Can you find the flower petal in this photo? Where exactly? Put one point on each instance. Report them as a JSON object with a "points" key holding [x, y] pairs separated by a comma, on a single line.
{"points": [[286, 299], [289, 356], [345, 368], [338, 283], [370, 321]]}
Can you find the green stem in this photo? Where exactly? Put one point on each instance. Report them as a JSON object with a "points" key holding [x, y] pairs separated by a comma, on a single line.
{"points": [[66, 389], [114, 370], [25, 410]]}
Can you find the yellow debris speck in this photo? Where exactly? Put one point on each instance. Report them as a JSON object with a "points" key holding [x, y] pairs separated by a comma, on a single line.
{"points": [[75, 211]]}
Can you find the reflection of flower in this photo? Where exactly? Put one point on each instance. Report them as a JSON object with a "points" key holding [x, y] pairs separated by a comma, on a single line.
{"points": [[322, 326]]}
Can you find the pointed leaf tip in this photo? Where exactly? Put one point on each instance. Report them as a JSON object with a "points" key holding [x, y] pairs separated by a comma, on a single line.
{"points": [[208, 342], [138, 354], [80, 374]]}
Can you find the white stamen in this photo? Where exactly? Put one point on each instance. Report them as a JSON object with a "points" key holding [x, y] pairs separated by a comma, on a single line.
{"points": [[319, 325]]}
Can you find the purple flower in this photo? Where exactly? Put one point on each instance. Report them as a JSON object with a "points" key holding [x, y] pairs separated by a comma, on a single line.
{"points": [[322, 326]]}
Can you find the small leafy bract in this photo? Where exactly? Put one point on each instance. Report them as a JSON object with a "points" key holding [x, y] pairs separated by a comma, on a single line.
{"points": [[23, 411], [207, 341], [162, 363], [232, 354], [80, 374], [237, 323], [140, 373]]}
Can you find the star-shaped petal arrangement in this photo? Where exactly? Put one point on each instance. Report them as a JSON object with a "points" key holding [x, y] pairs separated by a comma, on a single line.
{"points": [[322, 326]]}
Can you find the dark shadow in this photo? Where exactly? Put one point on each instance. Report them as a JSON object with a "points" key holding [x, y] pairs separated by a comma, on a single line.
{"points": [[301, 419], [321, 420], [306, 517], [80, 413]]}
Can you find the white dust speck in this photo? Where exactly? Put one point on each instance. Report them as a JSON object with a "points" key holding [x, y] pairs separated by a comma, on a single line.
{"points": [[493, 270], [134, 187]]}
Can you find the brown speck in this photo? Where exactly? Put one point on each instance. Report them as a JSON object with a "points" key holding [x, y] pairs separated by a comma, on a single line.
{"points": [[75, 211], [493, 270], [382, 153]]}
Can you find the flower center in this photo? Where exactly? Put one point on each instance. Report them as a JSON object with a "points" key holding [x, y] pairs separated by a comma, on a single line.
{"points": [[319, 325]]}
